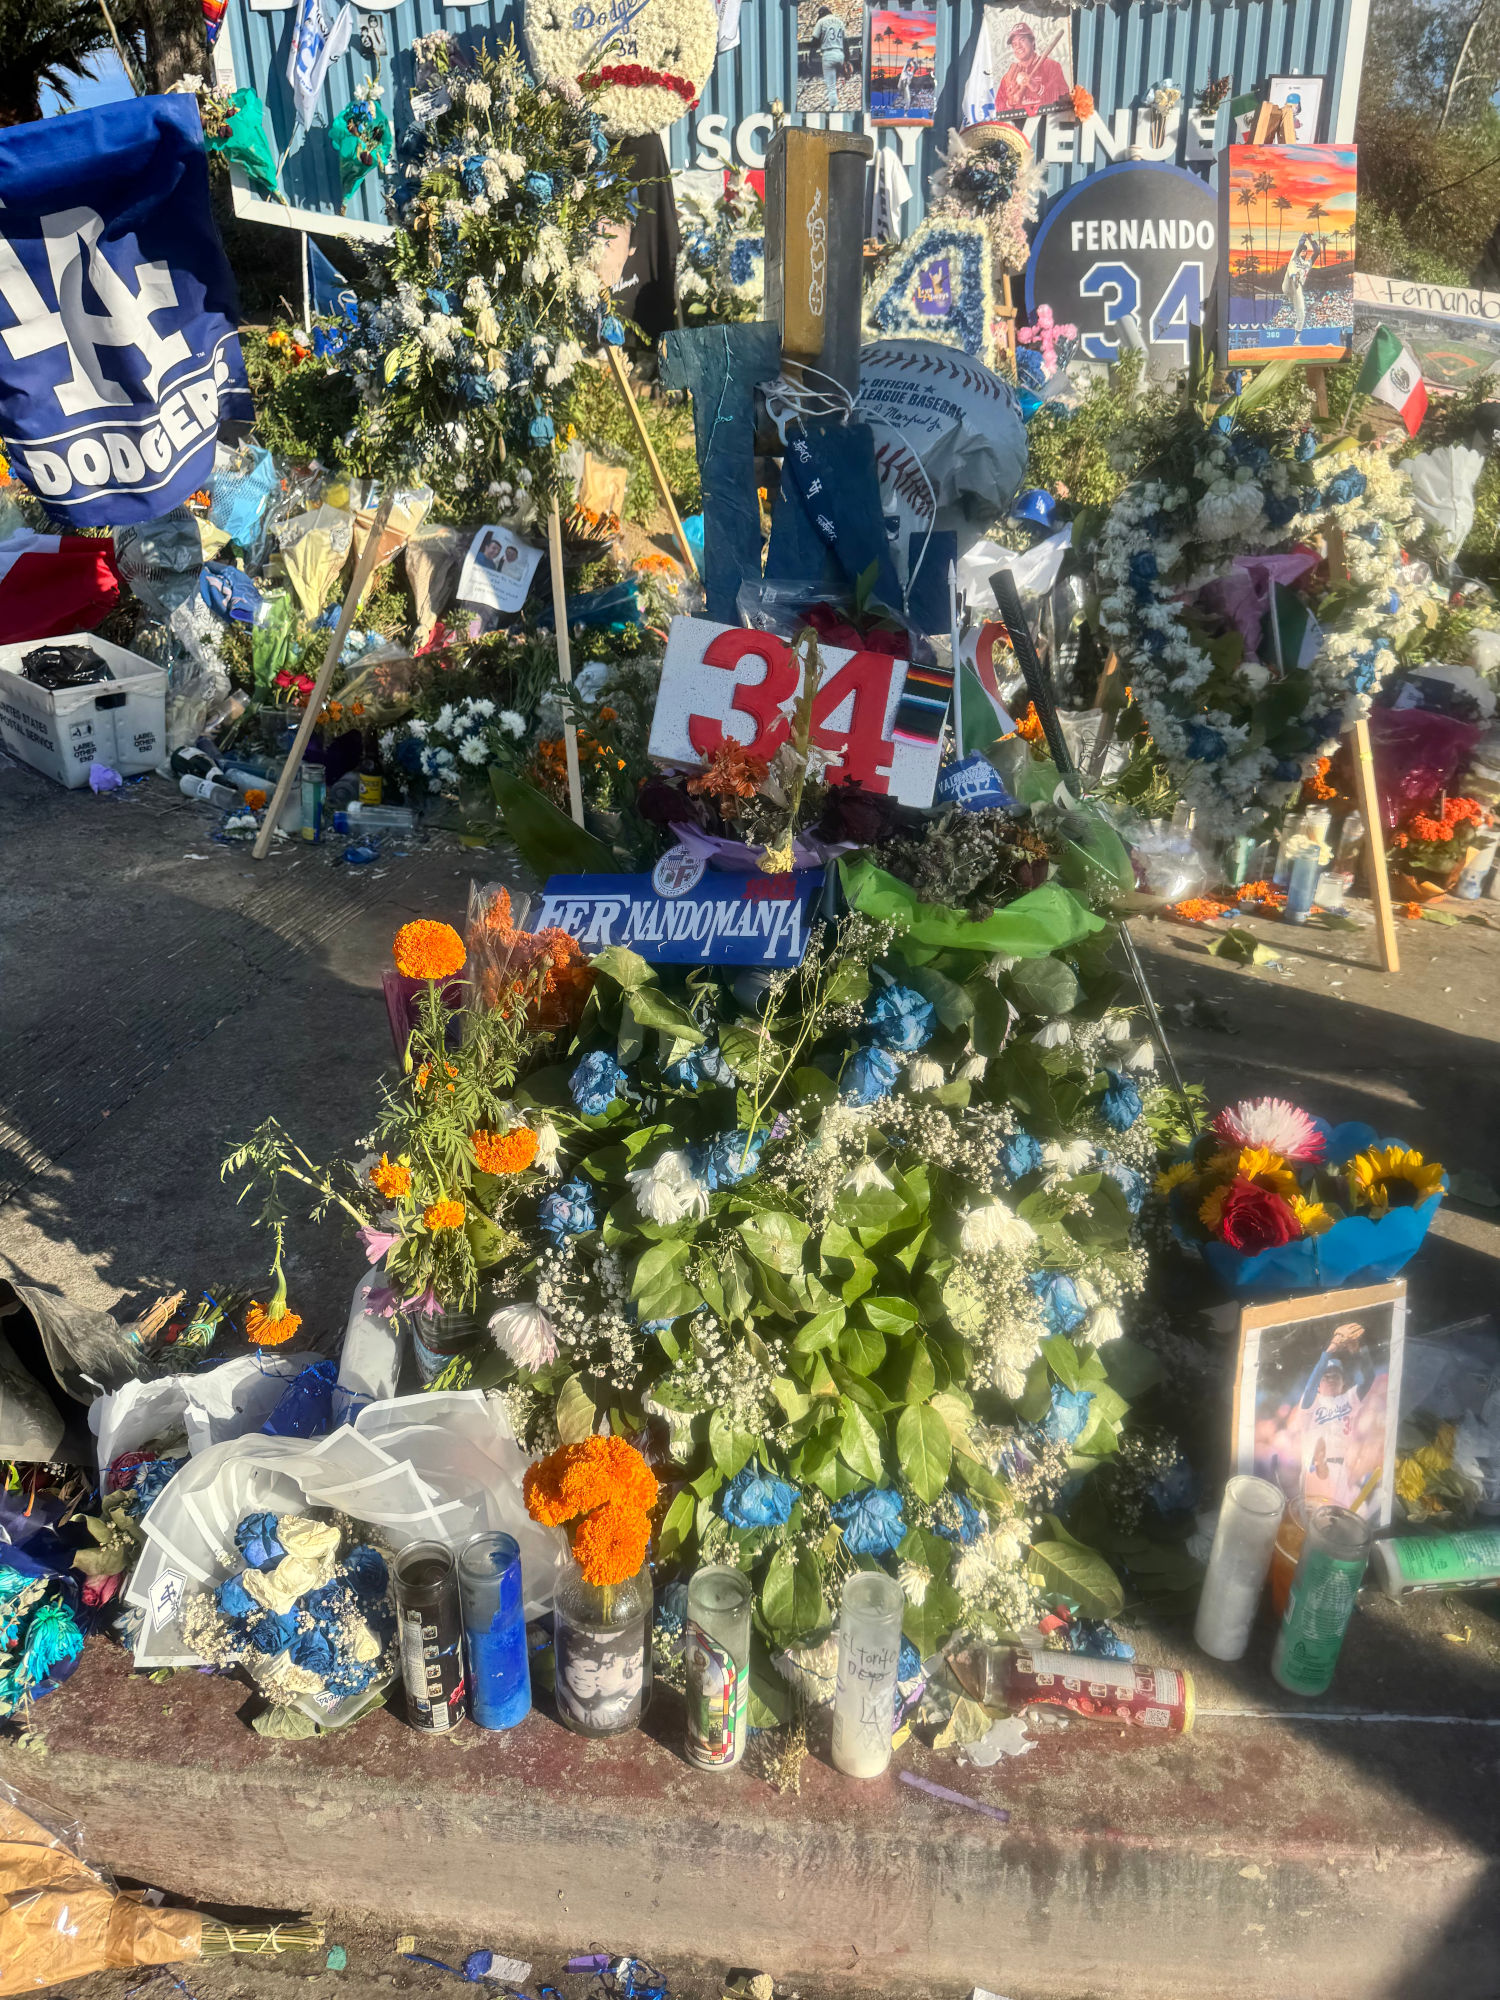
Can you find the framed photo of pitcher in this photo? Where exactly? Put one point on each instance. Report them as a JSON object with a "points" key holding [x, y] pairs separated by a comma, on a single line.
{"points": [[1317, 1396]]}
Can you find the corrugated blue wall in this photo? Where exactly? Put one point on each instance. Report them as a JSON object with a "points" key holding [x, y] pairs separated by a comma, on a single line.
{"points": [[1120, 51]]}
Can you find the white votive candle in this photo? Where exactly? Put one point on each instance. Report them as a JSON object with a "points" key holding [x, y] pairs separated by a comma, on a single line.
{"points": [[1243, 1544], [864, 1707]]}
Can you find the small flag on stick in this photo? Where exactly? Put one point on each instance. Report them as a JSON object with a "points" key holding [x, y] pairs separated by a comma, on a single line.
{"points": [[1392, 374]]}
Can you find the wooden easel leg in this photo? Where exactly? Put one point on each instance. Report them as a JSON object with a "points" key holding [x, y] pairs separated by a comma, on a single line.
{"points": [[616, 362], [564, 659], [364, 569], [1380, 884]]}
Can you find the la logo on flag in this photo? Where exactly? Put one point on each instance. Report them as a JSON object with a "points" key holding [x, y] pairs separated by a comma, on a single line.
{"points": [[119, 354]]}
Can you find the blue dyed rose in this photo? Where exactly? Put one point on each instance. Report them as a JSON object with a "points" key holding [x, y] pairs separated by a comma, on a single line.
{"points": [[351, 1677], [1131, 1184], [957, 1519], [567, 1212], [234, 1601], [901, 1019], [541, 431], [726, 1161], [1205, 745], [756, 1499], [1068, 1417], [909, 1662], [704, 1064], [595, 1083], [871, 1520], [1174, 1490], [366, 1570], [1057, 1295], [869, 1075], [1346, 486], [1120, 1105], [273, 1632], [611, 332], [1019, 1154], [445, 302], [314, 1652], [255, 1538], [539, 187], [472, 174]]}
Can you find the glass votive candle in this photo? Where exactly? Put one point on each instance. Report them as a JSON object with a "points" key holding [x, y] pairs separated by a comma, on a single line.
{"points": [[716, 1653], [864, 1706], [494, 1613], [1244, 1542]]}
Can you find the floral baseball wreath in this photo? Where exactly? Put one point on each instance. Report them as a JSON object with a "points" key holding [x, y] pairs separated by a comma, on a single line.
{"points": [[1236, 731], [648, 59]]}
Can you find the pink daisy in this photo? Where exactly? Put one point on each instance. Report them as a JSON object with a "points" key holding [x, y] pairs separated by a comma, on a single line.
{"points": [[1273, 1123]]}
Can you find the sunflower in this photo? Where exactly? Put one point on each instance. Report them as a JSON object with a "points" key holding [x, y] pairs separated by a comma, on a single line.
{"points": [[1312, 1215], [1260, 1165], [1175, 1175], [1384, 1176]]}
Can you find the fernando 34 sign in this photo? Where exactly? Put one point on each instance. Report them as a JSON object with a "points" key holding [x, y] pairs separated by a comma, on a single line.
{"points": [[119, 354]]}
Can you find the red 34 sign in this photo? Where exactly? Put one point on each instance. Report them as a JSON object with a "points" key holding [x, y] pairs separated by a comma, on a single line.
{"points": [[720, 683]]}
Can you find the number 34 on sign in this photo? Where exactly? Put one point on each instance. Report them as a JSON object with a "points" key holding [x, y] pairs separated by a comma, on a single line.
{"points": [[879, 720]]}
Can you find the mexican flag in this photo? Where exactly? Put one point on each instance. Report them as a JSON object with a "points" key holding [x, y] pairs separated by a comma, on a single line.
{"points": [[1290, 635], [983, 655], [1393, 374]]}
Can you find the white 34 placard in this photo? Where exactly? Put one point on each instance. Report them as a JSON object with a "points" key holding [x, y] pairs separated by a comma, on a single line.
{"points": [[722, 683]]}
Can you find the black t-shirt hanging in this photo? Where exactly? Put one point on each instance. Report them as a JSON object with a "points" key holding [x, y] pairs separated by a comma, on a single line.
{"points": [[647, 291]]}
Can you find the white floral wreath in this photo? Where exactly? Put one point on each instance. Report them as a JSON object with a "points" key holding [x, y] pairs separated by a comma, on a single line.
{"points": [[655, 56], [1160, 546]]}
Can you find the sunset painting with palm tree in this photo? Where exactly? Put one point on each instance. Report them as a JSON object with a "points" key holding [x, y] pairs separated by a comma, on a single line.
{"points": [[1289, 252]]}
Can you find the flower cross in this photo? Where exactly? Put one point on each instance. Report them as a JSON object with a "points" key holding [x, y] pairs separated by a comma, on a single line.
{"points": [[1045, 332]]}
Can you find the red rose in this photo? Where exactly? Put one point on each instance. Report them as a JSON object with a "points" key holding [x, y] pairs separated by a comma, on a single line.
{"points": [[1254, 1218]]}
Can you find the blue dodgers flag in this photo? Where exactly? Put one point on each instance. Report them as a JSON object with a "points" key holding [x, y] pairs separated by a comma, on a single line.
{"points": [[685, 914], [119, 354]]}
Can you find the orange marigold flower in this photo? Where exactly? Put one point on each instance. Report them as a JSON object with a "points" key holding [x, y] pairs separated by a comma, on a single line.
{"points": [[444, 1214], [1427, 828], [255, 798], [504, 1152], [1196, 910], [1411, 909], [539, 1488], [733, 773], [390, 1178], [424, 1070], [1029, 726], [1083, 103], [427, 950], [268, 1328], [1264, 894], [610, 1545]]}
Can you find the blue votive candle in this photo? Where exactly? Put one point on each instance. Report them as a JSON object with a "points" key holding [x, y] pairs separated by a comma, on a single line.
{"points": [[494, 1610]]}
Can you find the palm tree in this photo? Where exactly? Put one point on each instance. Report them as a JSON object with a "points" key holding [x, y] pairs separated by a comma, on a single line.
{"points": [[1246, 200], [46, 43], [1283, 209], [1315, 214], [1265, 186]]}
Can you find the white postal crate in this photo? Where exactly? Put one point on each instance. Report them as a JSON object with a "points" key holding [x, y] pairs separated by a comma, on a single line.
{"points": [[122, 723]]}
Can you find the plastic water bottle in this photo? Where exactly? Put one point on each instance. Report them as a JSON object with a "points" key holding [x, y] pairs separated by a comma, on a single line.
{"points": [[1302, 881], [213, 794], [1470, 883]]}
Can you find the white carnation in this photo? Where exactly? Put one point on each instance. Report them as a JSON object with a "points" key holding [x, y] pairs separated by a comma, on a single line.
{"points": [[1141, 1056], [668, 1190], [914, 1579], [991, 1226], [922, 1073], [547, 1146], [511, 723], [1069, 1156], [473, 750]]}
